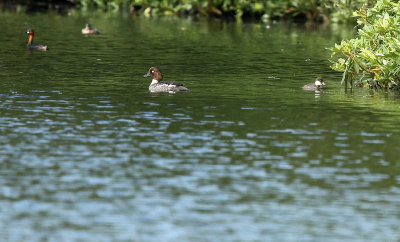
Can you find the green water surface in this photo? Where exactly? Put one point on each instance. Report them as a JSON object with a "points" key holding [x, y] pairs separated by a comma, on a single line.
{"points": [[88, 154]]}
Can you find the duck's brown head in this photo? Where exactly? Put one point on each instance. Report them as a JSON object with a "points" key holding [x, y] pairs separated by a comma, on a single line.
{"points": [[155, 73]]}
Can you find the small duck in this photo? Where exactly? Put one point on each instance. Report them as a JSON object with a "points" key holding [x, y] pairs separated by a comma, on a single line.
{"points": [[163, 86], [88, 30], [316, 86], [32, 46]]}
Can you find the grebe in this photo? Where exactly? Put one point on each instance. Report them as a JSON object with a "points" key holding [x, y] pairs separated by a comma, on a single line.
{"points": [[88, 30], [32, 46], [317, 85], [163, 86]]}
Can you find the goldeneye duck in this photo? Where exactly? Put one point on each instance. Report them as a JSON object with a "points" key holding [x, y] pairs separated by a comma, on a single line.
{"points": [[163, 86], [316, 86]]}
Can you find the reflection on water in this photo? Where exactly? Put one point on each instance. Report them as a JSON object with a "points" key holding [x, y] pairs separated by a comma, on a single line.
{"points": [[86, 153]]}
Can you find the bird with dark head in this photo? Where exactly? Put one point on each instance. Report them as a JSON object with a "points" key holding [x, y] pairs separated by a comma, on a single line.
{"points": [[316, 86], [32, 46]]}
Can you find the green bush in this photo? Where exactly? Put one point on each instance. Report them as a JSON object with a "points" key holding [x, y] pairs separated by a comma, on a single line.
{"points": [[373, 58]]}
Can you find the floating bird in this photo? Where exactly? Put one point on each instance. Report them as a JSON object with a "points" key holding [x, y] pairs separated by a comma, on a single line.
{"points": [[32, 46], [163, 86], [88, 30], [317, 85]]}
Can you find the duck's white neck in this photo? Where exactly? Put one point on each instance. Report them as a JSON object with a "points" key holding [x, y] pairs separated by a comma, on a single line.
{"points": [[318, 83], [154, 81]]}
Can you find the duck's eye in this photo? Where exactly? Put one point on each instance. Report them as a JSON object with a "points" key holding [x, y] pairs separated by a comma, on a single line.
{"points": [[152, 71]]}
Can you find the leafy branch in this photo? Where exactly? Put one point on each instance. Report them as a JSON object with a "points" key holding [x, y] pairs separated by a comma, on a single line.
{"points": [[374, 56]]}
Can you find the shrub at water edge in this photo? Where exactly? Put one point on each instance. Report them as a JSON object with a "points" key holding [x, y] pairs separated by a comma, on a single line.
{"points": [[373, 58]]}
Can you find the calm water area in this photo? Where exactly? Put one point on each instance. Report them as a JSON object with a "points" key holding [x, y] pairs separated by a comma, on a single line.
{"points": [[88, 154]]}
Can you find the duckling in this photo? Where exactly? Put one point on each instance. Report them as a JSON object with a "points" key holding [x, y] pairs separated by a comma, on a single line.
{"points": [[316, 86], [32, 46], [88, 30], [157, 85]]}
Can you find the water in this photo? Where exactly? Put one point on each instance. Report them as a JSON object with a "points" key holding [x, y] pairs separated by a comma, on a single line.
{"points": [[88, 154]]}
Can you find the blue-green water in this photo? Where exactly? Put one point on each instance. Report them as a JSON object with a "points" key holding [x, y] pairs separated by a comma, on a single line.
{"points": [[88, 154]]}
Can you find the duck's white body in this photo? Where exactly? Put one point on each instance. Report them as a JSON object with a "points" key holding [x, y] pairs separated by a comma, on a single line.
{"points": [[157, 85]]}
